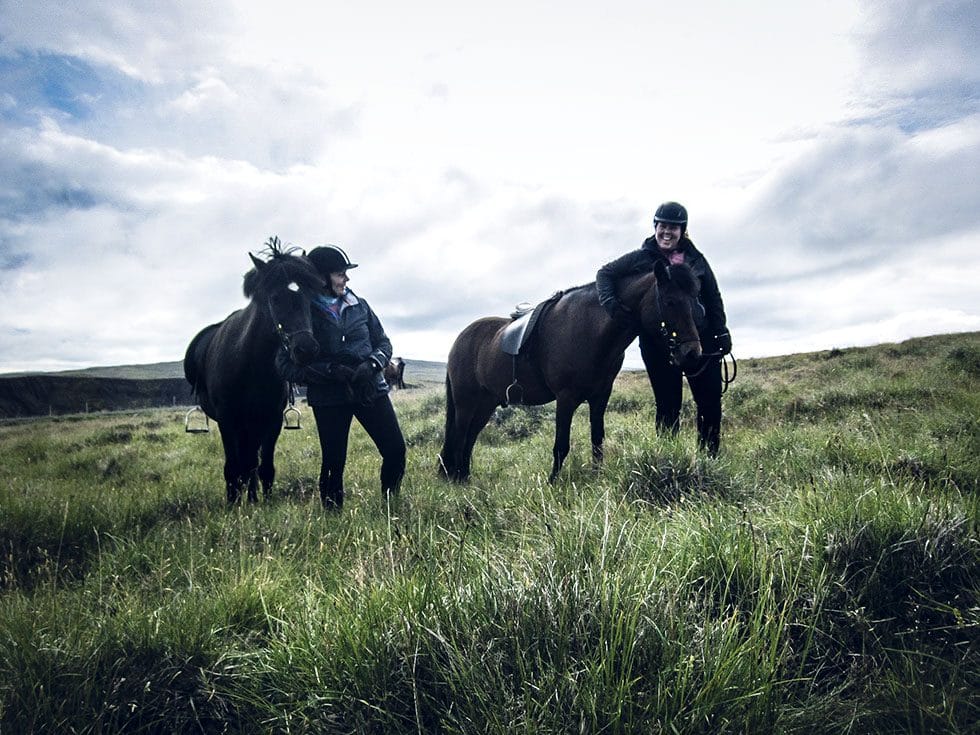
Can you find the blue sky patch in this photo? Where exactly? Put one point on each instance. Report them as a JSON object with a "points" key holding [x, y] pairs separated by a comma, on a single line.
{"points": [[66, 86]]}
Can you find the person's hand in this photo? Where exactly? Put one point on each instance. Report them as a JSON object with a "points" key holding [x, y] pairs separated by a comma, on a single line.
{"points": [[364, 382], [724, 342], [342, 374]]}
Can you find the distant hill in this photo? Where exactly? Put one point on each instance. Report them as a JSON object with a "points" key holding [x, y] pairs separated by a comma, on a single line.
{"points": [[149, 371], [46, 394], [121, 387]]}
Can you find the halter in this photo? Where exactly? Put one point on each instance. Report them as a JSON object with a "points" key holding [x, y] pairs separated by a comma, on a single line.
{"points": [[670, 337], [284, 336]]}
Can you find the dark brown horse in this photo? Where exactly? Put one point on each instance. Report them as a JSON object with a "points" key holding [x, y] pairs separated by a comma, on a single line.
{"points": [[395, 372], [574, 356], [231, 365]]}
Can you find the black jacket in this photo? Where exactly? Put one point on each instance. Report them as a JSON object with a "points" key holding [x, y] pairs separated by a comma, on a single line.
{"points": [[642, 260], [353, 339]]}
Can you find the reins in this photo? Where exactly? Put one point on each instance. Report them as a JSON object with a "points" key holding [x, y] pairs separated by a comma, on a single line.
{"points": [[290, 416], [727, 376]]}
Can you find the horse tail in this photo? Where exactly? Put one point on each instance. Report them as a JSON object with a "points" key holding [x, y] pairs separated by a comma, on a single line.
{"points": [[194, 359], [446, 466]]}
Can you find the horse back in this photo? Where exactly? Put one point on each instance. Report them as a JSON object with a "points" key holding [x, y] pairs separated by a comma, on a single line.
{"points": [[577, 343]]}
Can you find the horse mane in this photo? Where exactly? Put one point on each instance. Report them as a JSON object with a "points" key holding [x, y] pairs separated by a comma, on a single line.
{"points": [[287, 264], [684, 276]]}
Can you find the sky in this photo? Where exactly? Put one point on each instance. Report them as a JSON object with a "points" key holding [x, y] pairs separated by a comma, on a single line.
{"points": [[471, 156]]}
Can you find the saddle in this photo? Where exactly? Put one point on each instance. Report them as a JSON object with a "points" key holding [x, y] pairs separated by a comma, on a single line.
{"points": [[517, 336]]}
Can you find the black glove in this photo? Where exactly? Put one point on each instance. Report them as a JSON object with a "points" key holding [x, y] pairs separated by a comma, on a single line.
{"points": [[723, 342], [341, 373], [364, 383]]}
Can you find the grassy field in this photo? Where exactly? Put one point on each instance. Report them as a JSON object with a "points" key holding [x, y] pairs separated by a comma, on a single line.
{"points": [[822, 575]]}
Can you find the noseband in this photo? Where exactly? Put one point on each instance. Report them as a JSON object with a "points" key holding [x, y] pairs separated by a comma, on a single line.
{"points": [[673, 344]]}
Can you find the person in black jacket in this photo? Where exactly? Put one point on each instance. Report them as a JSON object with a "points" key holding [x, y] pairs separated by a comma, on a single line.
{"points": [[346, 379], [670, 243]]}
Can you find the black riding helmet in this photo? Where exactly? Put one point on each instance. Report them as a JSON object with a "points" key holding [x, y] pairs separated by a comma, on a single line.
{"points": [[671, 213], [330, 259]]}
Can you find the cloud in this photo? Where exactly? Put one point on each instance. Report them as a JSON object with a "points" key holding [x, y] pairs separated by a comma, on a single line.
{"points": [[919, 44], [827, 158]]}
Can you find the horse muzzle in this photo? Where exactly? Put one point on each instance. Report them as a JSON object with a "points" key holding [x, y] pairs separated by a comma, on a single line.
{"points": [[303, 347], [685, 355]]}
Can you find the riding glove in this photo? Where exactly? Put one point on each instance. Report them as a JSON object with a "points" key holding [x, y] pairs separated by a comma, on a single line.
{"points": [[341, 373], [724, 342], [364, 383]]}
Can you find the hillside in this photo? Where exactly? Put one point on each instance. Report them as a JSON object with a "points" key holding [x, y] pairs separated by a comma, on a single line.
{"points": [[129, 386], [820, 576]]}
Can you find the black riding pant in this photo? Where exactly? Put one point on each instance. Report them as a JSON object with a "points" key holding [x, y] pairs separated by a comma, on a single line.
{"points": [[379, 421], [705, 384]]}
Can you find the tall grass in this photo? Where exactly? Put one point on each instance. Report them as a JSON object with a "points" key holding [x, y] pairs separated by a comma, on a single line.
{"points": [[820, 576]]}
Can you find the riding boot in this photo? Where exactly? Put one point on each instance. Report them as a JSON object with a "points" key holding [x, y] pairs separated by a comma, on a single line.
{"points": [[709, 436]]}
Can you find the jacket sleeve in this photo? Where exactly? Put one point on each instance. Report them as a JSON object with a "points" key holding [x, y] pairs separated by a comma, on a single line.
{"points": [[710, 298], [608, 276], [381, 350]]}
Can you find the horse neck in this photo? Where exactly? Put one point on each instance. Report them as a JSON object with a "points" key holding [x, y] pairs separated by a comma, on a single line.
{"points": [[639, 293], [612, 338]]}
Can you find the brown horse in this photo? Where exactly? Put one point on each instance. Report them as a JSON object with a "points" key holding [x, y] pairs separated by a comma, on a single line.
{"points": [[574, 356], [395, 372]]}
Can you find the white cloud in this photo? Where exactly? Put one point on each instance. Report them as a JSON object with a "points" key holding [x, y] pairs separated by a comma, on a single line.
{"points": [[474, 158]]}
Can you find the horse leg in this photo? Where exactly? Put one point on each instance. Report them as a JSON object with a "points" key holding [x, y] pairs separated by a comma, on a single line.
{"points": [[232, 468], [597, 424], [248, 457], [564, 411], [447, 457], [267, 464], [469, 423]]}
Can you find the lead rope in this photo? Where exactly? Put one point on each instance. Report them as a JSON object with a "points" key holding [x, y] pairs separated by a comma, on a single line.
{"points": [[727, 377]]}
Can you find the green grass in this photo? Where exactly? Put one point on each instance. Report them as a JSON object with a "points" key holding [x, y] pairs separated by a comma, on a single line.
{"points": [[820, 576]]}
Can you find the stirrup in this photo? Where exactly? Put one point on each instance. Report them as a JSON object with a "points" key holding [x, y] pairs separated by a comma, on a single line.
{"points": [[290, 418], [193, 423]]}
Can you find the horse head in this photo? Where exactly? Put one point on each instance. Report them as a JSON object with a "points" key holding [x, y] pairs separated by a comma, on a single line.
{"points": [[283, 287], [669, 309]]}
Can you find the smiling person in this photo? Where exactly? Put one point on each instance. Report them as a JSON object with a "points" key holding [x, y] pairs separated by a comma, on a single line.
{"points": [[346, 380], [670, 243]]}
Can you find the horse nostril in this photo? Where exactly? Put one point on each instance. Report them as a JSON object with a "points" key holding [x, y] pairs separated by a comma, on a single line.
{"points": [[303, 351]]}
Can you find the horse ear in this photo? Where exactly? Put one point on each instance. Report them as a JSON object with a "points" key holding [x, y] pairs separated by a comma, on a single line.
{"points": [[660, 268], [259, 264]]}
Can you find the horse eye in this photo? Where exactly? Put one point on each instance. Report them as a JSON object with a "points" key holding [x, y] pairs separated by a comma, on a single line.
{"points": [[293, 286]]}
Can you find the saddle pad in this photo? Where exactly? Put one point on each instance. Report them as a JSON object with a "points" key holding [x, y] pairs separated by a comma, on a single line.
{"points": [[516, 334]]}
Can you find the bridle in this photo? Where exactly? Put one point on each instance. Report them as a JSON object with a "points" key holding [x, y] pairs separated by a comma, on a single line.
{"points": [[284, 336], [673, 345]]}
